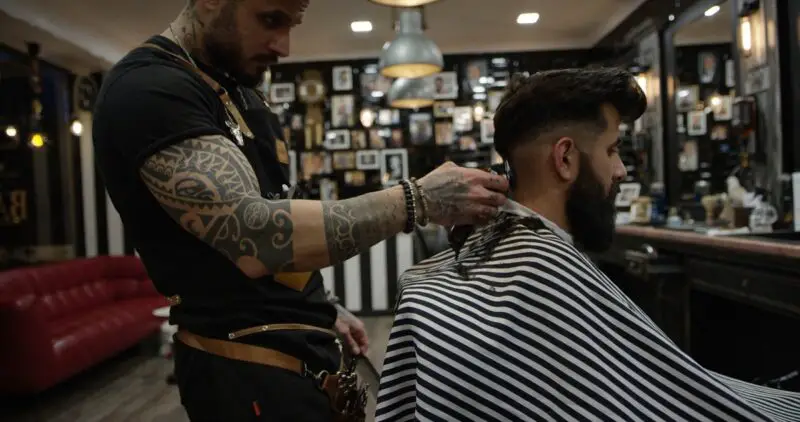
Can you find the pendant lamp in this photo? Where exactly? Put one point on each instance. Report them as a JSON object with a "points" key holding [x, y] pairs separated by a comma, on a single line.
{"points": [[411, 54], [403, 3], [410, 93]]}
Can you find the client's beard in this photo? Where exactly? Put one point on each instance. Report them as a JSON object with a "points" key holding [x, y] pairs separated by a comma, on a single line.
{"points": [[590, 210]]}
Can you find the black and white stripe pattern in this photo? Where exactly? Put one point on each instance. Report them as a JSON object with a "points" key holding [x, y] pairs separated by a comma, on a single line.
{"points": [[367, 284], [537, 332]]}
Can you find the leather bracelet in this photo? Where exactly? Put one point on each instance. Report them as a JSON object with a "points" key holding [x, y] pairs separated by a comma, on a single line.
{"points": [[423, 219], [411, 206]]}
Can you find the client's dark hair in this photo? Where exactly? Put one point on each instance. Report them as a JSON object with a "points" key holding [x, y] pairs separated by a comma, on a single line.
{"points": [[536, 104]]}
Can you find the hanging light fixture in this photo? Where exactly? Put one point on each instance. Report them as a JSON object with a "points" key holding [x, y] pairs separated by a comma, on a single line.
{"points": [[403, 3], [410, 93], [411, 54]]}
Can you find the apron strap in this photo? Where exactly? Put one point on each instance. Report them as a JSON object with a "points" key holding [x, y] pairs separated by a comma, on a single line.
{"points": [[222, 93]]}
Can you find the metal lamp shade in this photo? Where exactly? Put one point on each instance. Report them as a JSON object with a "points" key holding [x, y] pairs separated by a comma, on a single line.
{"points": [[410, 93], [403, 3], [411, 54]]}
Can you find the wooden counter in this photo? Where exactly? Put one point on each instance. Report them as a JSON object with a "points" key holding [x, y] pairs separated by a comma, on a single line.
{"points": [[758, 271], [739, 244]]}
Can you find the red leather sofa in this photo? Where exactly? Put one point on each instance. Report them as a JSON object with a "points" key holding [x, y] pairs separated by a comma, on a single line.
{"points": [[59, 319]]}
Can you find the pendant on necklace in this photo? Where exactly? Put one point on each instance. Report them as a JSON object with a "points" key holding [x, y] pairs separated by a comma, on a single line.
{"points": [[236, 132]]}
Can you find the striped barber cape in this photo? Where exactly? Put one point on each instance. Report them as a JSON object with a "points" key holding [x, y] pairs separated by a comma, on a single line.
{"points": [[522, 326]]}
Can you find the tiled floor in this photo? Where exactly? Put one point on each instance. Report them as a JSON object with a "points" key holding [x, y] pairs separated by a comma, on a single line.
{"points": [[131, 387]]}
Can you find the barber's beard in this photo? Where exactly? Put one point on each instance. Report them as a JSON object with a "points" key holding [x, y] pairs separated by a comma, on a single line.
{"points": [[223, 49], [590, 210]]}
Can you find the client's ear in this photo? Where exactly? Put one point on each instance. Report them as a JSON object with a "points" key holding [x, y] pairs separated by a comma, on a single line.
{"points": [[565, 158]]}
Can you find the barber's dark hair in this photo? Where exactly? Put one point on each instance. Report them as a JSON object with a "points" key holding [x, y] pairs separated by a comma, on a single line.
{"points": [[533, 105]]}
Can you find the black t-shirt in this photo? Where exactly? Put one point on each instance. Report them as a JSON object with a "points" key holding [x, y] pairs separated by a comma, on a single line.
{"points": [[148, 102]]}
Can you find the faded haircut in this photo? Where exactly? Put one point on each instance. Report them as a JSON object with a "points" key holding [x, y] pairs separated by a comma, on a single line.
{"points": [[545, 101]]}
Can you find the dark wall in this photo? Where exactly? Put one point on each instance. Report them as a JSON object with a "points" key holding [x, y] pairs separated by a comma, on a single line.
{"points": [[717, 151], [21, 194], [789, 44], [424, 157]]}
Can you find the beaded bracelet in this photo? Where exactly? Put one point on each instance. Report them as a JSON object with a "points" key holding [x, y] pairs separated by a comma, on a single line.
{"points": [[411, 205], [424, 218]]}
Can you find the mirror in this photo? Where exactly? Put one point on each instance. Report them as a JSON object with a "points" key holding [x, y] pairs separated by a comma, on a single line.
{"points": [[702, 67]]}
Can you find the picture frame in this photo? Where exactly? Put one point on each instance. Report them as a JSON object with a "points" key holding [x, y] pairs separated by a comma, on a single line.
{"points": [[487, 131], [697, 121], [443, 109], [342, 78], [445, 85], [342, 111], [707, 64], [628, 192], [368, 160], [444, 133], [686, 98], [337, 139], [385, 117], [358, 139], [376, 140], [724, 111], [344, 160], [283, 92], [730, 73], [328, 190], [493, 99], [462, 119], [355, 178], [396, 138], [393, 165], [420, 128]]}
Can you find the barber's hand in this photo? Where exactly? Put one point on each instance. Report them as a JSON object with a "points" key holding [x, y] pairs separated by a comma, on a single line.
{"points": [[353, 331], [457, 196]]}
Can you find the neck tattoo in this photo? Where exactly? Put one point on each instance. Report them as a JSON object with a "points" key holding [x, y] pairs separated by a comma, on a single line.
{"points": [[180, 44]]}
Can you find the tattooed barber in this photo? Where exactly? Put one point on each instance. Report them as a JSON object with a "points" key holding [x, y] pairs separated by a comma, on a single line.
{"points": [[192, 158]]}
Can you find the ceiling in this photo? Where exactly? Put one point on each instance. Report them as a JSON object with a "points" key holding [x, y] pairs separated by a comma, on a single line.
{"points": [[716, 29], [97, 33]]}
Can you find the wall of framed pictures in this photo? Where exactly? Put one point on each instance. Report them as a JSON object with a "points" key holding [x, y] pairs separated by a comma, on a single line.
{"points": [[708, 150], [346, 140]]}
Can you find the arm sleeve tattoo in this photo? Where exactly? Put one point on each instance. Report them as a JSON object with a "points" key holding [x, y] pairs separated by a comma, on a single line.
{"points": [[207, 185]]}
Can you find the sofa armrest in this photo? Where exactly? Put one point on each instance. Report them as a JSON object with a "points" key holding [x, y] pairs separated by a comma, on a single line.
{"points": [[25, 337]]}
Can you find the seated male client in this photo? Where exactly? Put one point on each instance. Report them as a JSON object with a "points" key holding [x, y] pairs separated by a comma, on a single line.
{"points": [[516, 323]]}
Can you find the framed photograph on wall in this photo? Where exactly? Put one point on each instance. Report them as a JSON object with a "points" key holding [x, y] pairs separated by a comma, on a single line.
{"points": [[282, 93], [730, 73], [328, 190], [707, 67], [385, 117], [462, 119], [686, 98], [344, 160], [368, 160], [724, 111], [358, 139], [487, 131], [628, 192], [394, 165], [342, 112], [337, 139], [445, 86], [443, 108], [420, 128], [444, 133], [697, 123], [376, 141], [342, 78]]}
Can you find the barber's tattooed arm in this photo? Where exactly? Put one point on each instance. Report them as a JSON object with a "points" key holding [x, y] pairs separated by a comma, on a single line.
{"points": [[208, 186]]}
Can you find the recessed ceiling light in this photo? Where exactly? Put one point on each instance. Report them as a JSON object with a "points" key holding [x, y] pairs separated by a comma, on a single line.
{"points": [[712, 11], [361, 26], [527, 18]]}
